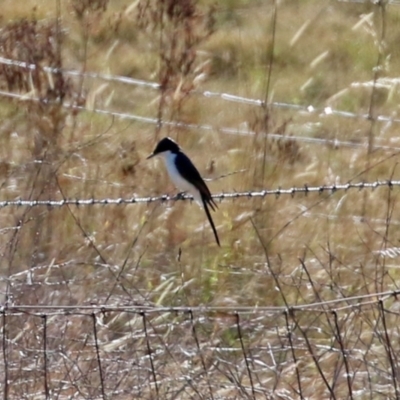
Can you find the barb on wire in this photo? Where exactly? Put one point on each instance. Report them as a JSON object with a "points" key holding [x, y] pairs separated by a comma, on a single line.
{"points": [[221, 196]]}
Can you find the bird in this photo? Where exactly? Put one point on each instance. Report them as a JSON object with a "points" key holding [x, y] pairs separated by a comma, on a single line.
{"points": [[185, 176]]}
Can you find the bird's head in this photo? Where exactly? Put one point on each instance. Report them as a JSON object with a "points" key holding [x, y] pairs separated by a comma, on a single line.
{"points": [[164, 145]]}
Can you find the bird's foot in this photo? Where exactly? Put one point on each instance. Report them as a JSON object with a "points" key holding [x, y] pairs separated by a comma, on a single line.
{"points": [[180, 195]]}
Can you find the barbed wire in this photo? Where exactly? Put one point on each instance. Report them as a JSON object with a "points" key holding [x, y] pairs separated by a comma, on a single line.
{"points": [[336, 143], [221, 196], [310, 109], [211, 94]]}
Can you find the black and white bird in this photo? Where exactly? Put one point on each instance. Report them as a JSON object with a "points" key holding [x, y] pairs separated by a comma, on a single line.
{"points": [[185, 176]]}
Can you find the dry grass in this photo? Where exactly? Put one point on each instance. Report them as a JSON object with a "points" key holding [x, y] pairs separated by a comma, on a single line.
{"points": [[276, 252]]}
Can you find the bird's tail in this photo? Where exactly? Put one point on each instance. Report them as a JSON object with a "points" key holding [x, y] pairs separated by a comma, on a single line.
{"points": [[211, 221]]}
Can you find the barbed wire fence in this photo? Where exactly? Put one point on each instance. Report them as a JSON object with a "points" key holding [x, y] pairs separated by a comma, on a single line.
{"points": [[143, 350], [139, 349], [221, 196]]}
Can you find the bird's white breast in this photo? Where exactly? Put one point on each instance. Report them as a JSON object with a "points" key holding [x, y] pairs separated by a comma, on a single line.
{"points": [[181, 183]]}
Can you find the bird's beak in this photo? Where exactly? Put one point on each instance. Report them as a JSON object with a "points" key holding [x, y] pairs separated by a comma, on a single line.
{"points": [[150, 156]]}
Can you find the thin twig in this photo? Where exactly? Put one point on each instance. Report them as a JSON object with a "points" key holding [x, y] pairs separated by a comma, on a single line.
{"points": [[200, 353], [289, 335], [389, 350], [150, 353], [96, 344], [377, 72], [313, 356], [46, 386], [244, 354], [344, 353], [5, 359]]}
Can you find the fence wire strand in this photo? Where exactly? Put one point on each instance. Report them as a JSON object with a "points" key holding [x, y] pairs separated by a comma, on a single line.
{"points": [[229, 97], [306, 109], [161, 346], [327, 306], [221, 196]]}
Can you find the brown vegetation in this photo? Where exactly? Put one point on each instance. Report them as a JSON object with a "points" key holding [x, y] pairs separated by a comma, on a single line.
{"points": [[291, 306]]}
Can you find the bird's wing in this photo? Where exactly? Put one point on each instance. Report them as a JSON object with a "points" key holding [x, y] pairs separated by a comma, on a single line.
{"points": [[190, 173]]}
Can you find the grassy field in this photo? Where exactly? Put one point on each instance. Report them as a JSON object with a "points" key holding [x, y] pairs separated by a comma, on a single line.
{"points": [[141, 302]]}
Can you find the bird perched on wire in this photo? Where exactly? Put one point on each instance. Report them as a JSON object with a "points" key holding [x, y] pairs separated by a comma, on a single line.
{"points": [[185, 176]]}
